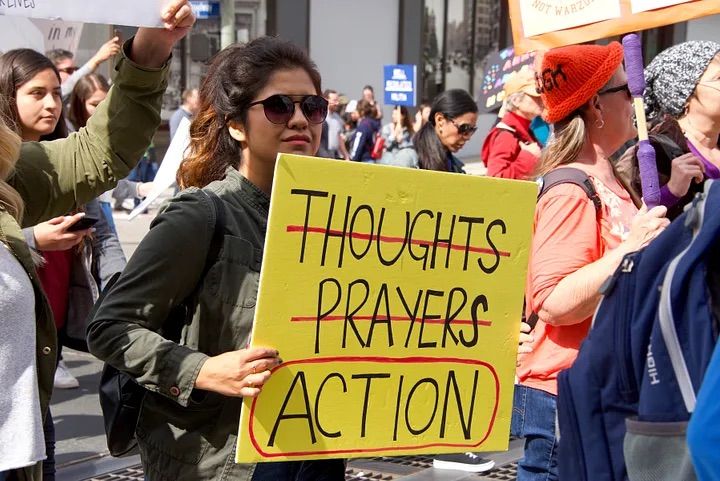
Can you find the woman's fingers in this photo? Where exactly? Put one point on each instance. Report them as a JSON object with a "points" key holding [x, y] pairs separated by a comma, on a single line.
{"points": [[266, 364], [254, 353], [178, 13]]}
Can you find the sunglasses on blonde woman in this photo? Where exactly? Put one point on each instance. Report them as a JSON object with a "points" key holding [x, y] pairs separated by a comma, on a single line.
{"points": [[279, 109], [619, 88]]}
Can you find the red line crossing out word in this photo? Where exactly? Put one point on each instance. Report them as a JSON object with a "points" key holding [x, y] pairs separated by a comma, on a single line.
{"points": [[391, 239], [394, 318]]}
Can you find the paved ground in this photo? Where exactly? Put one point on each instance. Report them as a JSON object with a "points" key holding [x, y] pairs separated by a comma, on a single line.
{"points": [[82, 453]]}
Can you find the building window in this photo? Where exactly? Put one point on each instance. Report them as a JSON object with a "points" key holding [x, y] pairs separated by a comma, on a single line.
{"points": [[458, 54], [487, 37], [458, 35], [433, 50]]}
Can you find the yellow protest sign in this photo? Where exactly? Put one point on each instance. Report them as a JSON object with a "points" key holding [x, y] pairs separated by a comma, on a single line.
{"points": [[394, 297]]}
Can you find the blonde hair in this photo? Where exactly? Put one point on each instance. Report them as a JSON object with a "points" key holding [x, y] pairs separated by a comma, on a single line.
{"points": [[508, 102], [567, 141], [565, 144], [10, 199]]}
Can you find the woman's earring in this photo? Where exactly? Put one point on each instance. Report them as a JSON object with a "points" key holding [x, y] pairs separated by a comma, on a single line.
{"points": [[600, 123]]}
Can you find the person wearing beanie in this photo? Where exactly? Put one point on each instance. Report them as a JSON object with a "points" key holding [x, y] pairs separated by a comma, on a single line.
{"points": [[682, 100], [511, 150], [575, 246]]}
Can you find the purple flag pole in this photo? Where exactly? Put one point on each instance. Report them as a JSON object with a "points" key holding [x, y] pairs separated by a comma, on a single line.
{"points": [[645, 154]]}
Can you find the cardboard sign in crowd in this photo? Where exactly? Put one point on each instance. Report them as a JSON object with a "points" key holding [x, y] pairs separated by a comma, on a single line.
{"points": [[144, 13], [544, 24], [394, 297]]}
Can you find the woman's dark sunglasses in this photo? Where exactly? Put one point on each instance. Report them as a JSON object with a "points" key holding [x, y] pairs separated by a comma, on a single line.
{"points": [[619, 88], [279, 109], [463, 129]]}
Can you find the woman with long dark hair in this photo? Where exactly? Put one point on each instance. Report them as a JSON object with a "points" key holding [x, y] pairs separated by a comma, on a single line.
{"points": [[453, 119], [258, 100], [89, 91]]}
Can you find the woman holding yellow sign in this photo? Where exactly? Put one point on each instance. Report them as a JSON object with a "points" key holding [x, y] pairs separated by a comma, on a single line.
{"points": [[258, 100]]}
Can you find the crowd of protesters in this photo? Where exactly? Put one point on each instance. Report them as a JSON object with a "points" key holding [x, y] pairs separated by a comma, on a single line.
{"points": [[68, 137]]}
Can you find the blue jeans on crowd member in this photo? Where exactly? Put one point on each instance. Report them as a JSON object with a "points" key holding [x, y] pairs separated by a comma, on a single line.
{"points": [[534, 418], [320, 470]]}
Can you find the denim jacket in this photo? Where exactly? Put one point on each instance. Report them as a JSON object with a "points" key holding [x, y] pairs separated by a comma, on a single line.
{"points": [[185, 433], [98, 258]]}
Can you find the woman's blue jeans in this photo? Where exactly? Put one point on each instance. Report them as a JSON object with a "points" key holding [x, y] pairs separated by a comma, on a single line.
{"points": [[534, 418]]}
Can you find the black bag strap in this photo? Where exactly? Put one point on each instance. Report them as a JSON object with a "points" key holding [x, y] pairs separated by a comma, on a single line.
{"points": [[173, 330], [570, 175], [216, 243], [566, 175]]}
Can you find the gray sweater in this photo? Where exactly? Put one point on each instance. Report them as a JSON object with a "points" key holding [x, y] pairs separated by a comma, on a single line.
{"points": [[21, 433]]}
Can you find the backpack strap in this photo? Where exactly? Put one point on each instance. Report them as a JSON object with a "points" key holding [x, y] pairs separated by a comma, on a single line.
{"points": [[173, 330], [565, 175], [218, 232], [503, 126], [570, 175]]}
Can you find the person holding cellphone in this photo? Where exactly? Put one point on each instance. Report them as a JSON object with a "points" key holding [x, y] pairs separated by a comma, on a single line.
{"points": [[38, 183]]}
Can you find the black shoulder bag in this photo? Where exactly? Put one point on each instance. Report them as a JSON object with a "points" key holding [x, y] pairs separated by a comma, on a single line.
{"points": [[121, 397]]}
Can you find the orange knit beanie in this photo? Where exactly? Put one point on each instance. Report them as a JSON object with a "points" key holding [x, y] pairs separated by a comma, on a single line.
{"points": [[570, 76]]}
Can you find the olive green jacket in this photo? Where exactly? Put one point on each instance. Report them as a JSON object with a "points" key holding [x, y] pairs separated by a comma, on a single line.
{"points": [[55, 177], [184, 433]]}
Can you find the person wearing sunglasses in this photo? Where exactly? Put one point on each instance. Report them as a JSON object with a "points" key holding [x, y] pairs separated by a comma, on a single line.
{"points": [[682, 99], [511, 150], [257, 100], [70, 73], [576, 245], [452, 121]]}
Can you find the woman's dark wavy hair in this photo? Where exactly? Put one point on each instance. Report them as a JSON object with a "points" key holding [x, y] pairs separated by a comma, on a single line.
{"points": [[235, 77], [431, 152], [18, 67], [84, 89]]}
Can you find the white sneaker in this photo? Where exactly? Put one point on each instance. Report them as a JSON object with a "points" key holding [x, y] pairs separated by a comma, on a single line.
{"points": [[63, 378], [469, 462]]}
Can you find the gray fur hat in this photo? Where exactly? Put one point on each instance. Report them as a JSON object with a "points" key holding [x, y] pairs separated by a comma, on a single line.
{"points": [[673, 74]]}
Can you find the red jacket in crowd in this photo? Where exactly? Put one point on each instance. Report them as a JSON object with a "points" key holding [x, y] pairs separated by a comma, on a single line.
{"points": [[501, 151]]}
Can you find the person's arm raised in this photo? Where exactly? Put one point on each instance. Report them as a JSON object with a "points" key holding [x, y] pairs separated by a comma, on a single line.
{"points": [[152, 46], [55, 177]]}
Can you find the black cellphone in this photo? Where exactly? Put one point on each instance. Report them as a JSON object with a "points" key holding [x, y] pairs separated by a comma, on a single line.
{"points": [[84, 223]]}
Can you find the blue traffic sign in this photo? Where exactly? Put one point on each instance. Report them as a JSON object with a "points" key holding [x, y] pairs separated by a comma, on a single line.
{"points": [[205, 9], [400, 85]]}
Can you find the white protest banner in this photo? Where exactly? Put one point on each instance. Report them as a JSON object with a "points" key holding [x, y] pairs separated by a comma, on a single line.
{"points": [[543, 16], [58, 34], [531, 17], [165, 176], [20, 33], [139, 13]]}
